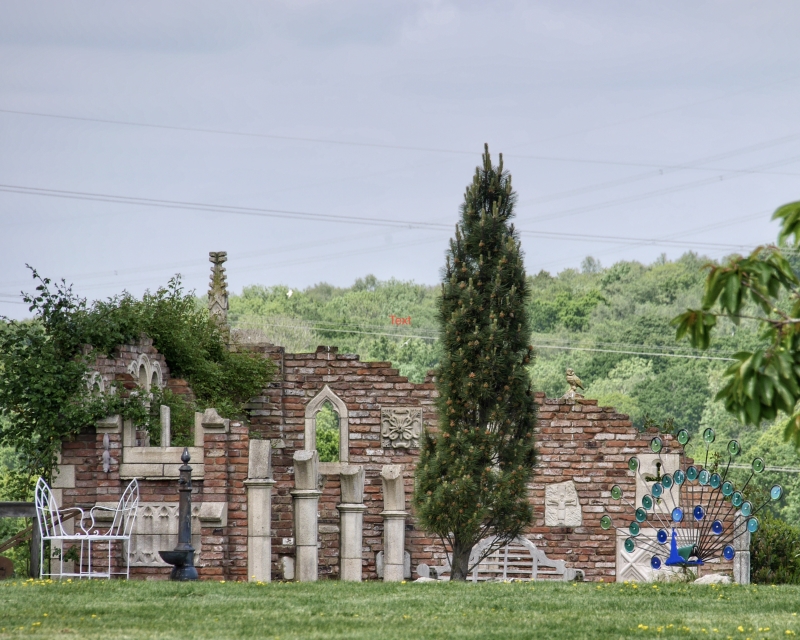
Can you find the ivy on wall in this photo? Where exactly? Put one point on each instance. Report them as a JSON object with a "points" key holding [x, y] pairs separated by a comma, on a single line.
{"points": [[45, 363]]}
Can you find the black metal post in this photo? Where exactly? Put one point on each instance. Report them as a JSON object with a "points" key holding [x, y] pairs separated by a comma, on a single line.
{"points": [[182, 557]]}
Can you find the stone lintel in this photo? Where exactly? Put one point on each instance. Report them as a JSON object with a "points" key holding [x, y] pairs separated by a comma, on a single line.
{"points": [[111, 424]]}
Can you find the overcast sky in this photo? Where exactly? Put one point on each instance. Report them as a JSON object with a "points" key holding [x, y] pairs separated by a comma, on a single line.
{"points": [[673, 124]]}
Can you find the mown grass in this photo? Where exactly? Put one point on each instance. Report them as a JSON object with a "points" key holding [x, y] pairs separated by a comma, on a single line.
{"points": [[101, 609]]}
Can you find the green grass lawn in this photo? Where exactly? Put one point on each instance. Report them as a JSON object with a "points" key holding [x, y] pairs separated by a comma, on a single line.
{"points": [[114, 610]]}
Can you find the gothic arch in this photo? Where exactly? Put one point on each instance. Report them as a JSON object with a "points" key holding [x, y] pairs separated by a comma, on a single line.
{"points": [[146, 372], [310, 443]]}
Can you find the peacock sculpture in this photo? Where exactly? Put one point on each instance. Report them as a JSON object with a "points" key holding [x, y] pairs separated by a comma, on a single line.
{"points": [[688, 516]]}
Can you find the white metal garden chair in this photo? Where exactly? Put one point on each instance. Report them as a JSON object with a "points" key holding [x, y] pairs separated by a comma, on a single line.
{"points": [[51, 525]]}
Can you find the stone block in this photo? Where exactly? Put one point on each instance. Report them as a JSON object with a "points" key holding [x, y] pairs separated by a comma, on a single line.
{"points": [[260, 459], [212, 421]]}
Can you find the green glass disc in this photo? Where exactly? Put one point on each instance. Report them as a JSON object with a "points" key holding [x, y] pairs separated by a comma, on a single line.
{"points": [[704, 476], [727, 489], [715, 481], [679, 477], [709, 435], [737, 499], [747, 508], [666, 480], [683, 436], [630, 545], [734, 448], [647, 501], [634, 528], [656, 444], [776, 492], [692, 473], [605, 523], [641, 515], [633, 463], [616, 492], [752, 524], [758, 465]]}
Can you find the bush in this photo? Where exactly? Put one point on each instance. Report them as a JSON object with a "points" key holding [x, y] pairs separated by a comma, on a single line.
{"points": [[775, 553]]}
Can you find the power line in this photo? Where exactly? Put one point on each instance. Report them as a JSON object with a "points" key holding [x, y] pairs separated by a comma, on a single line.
{"points": [[537, 346], [634, 353], [323, 217], [650, 194], [776, 469], [131, 123], [662, 170]]}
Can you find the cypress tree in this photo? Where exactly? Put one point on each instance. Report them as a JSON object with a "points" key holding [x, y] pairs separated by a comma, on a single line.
{"points": [[472, 476]]}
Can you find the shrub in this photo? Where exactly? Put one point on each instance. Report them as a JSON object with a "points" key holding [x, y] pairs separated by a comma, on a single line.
{"points": [[775, 552]]}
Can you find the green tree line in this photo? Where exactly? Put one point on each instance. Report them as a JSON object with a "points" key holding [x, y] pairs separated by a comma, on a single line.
{"points": [[612, 325]]}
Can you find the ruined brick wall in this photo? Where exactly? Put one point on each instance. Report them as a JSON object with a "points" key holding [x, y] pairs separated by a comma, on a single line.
{"points": [[589, 445], [576, 441], [364, 387]]}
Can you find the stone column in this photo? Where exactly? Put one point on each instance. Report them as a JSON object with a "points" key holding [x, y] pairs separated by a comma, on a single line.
{"points": [[259, 485], [306, 499], [394, 522], [166, 426], [741, 561], [351, 525]]}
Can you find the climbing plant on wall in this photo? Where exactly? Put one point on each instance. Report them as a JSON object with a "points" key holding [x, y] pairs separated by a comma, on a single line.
{"points": [[471, 481], [44, 365]]}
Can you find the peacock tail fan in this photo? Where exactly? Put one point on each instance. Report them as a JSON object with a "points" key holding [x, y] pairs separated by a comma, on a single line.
{"points": [[689, 514]]}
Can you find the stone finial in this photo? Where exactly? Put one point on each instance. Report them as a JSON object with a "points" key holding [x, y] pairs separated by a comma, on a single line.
{"points": [[352, 482], [394, 495], [218, 288], [306, 469]]}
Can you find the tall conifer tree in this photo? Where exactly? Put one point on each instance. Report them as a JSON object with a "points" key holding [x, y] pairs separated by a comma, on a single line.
{"points": [[472, 476]]}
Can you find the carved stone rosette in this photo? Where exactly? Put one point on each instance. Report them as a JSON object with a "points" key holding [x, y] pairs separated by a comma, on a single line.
{"points": [[401, 427]]}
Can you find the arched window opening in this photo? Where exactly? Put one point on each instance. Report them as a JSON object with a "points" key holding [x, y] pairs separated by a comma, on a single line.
{"points": [[327, 413], [327, 425], [143, 378]]}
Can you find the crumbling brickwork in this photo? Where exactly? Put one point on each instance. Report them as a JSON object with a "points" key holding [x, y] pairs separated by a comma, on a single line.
{"points": [[577, 442]]}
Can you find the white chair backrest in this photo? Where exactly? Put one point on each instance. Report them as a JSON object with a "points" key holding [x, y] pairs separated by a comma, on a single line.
{"points": [[125, 515], [47, 514]]}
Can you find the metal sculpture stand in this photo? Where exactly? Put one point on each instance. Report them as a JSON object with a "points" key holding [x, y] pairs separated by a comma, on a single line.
{"points": [[182, 557]]}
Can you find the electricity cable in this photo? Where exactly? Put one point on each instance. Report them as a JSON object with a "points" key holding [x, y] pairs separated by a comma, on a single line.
{"points": [[321, 217]]}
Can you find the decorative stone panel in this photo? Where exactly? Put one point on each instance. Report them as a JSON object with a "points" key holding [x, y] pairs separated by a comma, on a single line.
{"points": [[401, 427], [561, 505], [651, 467]]}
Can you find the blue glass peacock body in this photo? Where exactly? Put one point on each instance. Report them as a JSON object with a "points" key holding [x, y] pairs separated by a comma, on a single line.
{"points": [[704, 529]]}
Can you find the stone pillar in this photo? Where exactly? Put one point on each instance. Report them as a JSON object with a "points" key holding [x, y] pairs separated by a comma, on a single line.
{"points": [[306, 499], [166, 426], [741, 561], [259, 485], [394, 522], [351, 525]]}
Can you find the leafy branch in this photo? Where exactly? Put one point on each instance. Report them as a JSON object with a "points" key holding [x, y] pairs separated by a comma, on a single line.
{"points": [[764, 382]]}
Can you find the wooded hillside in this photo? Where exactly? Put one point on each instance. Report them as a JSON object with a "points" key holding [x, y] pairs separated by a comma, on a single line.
{"points": [[611, 325]]}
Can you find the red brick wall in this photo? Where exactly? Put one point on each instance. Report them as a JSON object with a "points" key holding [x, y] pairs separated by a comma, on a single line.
{"points": [[576, 440]]}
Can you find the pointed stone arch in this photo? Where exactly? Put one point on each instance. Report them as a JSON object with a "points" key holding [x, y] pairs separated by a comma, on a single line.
{"points": [[313, 407]]}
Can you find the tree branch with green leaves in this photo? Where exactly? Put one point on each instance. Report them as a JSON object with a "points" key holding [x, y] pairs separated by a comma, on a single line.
{"points": [[761, 287]]}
